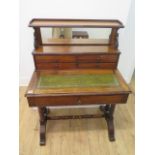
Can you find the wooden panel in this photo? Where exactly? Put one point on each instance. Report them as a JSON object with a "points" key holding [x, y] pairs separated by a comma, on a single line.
{"points": [[103, 99], [54, 101], [75, 23]]}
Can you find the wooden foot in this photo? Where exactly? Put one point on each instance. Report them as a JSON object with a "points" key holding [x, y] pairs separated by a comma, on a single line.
{"points": [[43, 120], [108, 111], [111, 131], [42, 134]]}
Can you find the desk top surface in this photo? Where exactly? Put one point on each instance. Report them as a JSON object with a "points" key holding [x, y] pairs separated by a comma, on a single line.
{"points": [[76, 82]]}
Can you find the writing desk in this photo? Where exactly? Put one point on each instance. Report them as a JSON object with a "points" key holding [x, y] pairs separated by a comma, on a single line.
{"points": [[76, 72]]}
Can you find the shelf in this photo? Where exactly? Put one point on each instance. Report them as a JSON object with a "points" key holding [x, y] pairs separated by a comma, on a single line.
{"points": [[74, 50], [88, 23]]}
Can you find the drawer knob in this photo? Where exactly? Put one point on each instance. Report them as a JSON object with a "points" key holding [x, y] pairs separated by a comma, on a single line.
{"points": [[79, 101]]}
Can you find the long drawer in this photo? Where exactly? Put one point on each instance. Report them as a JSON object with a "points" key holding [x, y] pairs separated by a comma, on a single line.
{"points": [[77, 58], [82, 65], [76, 100]]}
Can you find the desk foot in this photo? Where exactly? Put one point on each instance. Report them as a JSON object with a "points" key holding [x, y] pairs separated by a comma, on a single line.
{"points": [[43, 119], [42, 134], [111, 131], [108, 111]]}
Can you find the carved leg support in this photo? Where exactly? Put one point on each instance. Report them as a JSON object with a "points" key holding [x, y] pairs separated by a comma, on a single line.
{"points": [[43, 120], [108, 111]]}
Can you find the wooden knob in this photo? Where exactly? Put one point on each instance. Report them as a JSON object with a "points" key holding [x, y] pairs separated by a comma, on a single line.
{"points": [[79, 101]]}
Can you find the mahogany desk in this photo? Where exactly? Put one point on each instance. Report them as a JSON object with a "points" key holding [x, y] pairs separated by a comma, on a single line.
{"points": [[76, 72]]}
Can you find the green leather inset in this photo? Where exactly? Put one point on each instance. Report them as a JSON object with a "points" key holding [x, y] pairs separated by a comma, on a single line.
{"points": [[83, 80]]}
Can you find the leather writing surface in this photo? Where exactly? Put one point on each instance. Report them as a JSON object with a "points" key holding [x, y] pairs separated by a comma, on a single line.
{"points": [[85, 80]]}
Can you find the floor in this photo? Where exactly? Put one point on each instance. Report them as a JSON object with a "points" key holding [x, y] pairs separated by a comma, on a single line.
{"points": [[77, 137]]}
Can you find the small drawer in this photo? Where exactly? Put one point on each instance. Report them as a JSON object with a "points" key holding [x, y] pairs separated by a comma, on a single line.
{"points": [[98, 58], [109, 58], [97, 65], [88, 58], [46, 66], [67, 66], [87, 65], [55, 58], [107, 65]]}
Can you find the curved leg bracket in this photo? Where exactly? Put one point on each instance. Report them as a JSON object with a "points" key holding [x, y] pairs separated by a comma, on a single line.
{"points": [[111, 131], [108, 111]]}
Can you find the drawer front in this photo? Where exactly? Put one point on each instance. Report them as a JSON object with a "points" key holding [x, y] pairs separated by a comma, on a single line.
{"points": [[77, 100], [98, 58], [103, 99], [54, 58], [97, 65], [52, 101], [77, 58], [49, 66]]}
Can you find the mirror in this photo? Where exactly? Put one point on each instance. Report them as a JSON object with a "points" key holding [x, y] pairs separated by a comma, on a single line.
{"points": [[49, 34]]}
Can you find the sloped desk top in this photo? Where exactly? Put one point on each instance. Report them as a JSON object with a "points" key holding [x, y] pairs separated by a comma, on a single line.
{"points": [[75, 82]]}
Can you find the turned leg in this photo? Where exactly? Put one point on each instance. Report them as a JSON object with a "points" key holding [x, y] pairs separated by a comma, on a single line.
{"points": [[108, 112], [43, 119]]}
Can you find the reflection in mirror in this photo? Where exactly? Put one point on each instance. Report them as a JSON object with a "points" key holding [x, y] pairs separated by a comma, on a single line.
{"points": [[72, 34]]}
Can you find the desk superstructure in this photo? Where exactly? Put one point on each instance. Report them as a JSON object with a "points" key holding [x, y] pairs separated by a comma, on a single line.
{"points": [[76, 72]]}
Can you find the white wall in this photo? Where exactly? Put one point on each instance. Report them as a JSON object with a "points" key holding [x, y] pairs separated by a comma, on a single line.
{"points": [[127, 46], [97, 9]]}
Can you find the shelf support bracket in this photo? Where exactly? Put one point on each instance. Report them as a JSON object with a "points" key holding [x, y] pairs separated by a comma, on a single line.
{"points": [[37, 37], [113, 38]]}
